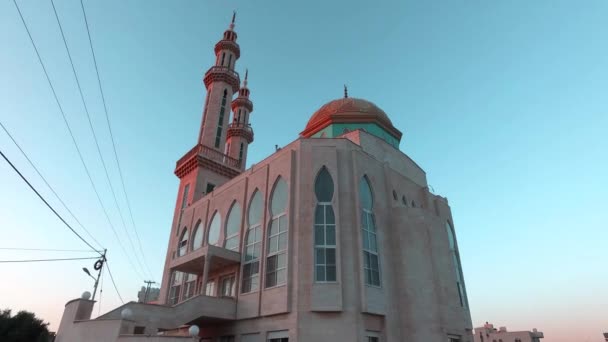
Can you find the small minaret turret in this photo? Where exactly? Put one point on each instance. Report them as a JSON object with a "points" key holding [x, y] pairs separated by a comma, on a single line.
{"points": [[240, 133], [221, 82]]}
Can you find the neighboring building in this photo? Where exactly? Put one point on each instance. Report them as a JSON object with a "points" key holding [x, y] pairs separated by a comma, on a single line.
{"points": [[148, 295], [335, 236], [488, 333]]}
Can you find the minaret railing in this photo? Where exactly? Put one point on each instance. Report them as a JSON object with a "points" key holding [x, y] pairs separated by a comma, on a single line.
{"points": [[210, 154]]}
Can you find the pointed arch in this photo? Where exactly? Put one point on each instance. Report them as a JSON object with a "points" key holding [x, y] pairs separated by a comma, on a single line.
{"points": [[182, 245], [233, 227], [371, 256], [220, 123], [197, 236], [324, 186], [324, 228], [253, 244], [276, 260], [366, 196], [213, 233], [453, 246]]}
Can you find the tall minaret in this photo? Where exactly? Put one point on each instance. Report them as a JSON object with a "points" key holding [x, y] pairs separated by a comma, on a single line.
{"points": [[240, 133], [221, 82], [208, 164]]}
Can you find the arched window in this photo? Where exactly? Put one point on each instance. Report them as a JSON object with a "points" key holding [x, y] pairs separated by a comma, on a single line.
{"points": [[404, 200], [197, 239], [229, 60], [213, 237], [241, 152], [182, 246], [233, 227], [462, 293], [276, 260], [223, 57], [394, 195], [220, 123], [253, 244], [325, 229], [371, 262]]}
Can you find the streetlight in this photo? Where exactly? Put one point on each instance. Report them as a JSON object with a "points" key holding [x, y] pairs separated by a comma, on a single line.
{"points": [[98, 266], [86, 270]]}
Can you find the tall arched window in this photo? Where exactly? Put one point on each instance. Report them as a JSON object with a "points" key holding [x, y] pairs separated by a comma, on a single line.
{"points": [[233, 226], [371, 262], [213, 237], [220, 123], [325, 228], [462, 293], [276, 260], [182, 246], [253, 244], [197, 237]]}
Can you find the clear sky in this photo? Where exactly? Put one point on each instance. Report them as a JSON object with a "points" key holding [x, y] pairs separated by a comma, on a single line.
{"points": [[503, 103]]}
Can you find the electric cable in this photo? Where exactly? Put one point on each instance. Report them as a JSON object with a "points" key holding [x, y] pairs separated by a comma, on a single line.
{"points": [[45, 202], [86, 110], [73, 138], [44, 260], [113, 282], [105, 107], [49, 185]]}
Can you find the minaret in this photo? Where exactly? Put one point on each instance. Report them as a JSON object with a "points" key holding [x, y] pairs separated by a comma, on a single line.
{"points": [[221, 82], [240, 133], [207, 165]]}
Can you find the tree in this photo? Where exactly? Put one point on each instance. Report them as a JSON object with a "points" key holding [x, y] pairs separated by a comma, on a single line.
{"points": [[22, 327]]}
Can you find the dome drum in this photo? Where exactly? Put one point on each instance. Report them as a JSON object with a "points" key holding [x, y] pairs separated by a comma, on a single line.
{"points": [[349, 110]]}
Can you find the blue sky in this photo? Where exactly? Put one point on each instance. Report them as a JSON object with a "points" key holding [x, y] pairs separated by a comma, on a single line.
{"points": [[502, 103]]}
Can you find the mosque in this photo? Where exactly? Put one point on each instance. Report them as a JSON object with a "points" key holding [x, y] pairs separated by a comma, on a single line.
{"points": [[335, 236]]}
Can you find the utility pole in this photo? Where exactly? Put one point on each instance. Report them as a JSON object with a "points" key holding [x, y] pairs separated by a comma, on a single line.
{"points": [[148, 286], [99, 262]]}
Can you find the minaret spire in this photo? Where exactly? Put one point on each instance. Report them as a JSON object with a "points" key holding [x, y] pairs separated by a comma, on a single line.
{"points": [[345, 92], [233, 19]]}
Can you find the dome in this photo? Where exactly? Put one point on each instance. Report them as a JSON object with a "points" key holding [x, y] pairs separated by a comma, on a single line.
{"points": [[349, 110]]}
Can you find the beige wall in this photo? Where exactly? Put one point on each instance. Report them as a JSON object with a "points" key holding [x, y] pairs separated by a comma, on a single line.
{"points": [[418, 298]]}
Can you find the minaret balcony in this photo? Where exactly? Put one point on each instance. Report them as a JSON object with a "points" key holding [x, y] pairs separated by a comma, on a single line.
{"points": [[207, 157], [240, 129], [225, 44], [222, 74]]}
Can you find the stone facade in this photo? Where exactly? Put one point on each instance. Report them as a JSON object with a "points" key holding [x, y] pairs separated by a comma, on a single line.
{"points": [[330, 237]]}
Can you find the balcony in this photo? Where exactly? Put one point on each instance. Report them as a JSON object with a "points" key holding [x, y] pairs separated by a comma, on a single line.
{"points": [[241, 129], [223, 74], [212, 256], [201, 155]]}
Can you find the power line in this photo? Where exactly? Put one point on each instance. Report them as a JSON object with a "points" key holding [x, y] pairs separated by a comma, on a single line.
{"points": [[49, 186], [86, 110], [44, 260], [105, 107], [72, 135], [46, 249], [45, 202], [113, 283]]}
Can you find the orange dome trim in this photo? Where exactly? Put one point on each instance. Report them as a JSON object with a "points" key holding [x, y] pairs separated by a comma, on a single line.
{"points": [[349, 110]]}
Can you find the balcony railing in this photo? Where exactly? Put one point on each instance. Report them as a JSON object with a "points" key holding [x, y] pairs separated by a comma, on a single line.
{"points": [[240, 125], [223, 69], [211, 154]]}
